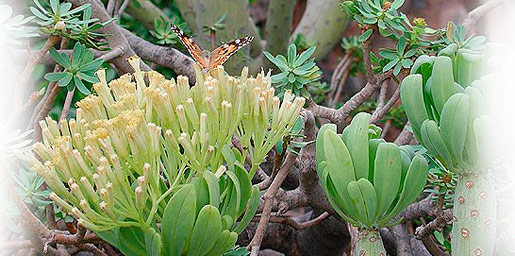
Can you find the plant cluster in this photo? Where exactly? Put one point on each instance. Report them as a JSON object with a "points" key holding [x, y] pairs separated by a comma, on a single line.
{"points": [[164, 34], [411, 37], [149, 167], [367, 181], [81, 66], [298, 71], [60, 19], [444, 99]]}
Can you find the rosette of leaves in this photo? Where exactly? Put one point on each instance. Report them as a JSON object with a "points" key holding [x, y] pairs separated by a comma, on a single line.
{"points": [[163, 33], [14, 28], [398, 58], [383, 13], [367, 180], [59, 17], [445, 101], [458, 35], [298, 71], [81, 67], [84, 30]]}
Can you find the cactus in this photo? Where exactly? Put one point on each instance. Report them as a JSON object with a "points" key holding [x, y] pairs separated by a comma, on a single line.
{"points": [[367, 180], [444, 99], [142, 154]]}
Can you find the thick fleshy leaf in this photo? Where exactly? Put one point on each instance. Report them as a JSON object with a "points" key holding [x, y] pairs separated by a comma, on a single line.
{"points": [[178, 220]]}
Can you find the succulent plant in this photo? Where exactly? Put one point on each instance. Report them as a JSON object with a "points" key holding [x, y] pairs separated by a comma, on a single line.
{"points": [[58, 18], [81, 66], [151, 164], [84, 30], [163, 33], [298, 72], [445, 104], [367, 180]]}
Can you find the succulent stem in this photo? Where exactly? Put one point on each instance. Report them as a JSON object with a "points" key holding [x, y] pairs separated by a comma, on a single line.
{"points": [[473, 230], [369, 243]]}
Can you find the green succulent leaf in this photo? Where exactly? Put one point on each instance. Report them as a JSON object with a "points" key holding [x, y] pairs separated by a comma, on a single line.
{"points": [[65, 80], [178, 220], [366, 35]]}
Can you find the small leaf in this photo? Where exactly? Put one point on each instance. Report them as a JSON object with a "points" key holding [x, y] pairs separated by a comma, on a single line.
{"points": [[370, 21], [406, 63], [88, 77], [397, 4], [65, 80], [411, 53], [388, 54], [80, 86], [78, 52], [79, 9], [397, 68], [401, 45], [54, 76], [61, 59], [54, 4], [292, 53], [305, 55], [92, 66], [366, 35], [390, 65], [291, 78]]}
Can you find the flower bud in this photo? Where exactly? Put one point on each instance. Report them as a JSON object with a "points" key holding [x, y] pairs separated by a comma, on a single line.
{"points": [[183, 121], [77, 213], [76, 191], [191, 111], [141, 198], [65, 206], [89, 190], [60, 25], [107, 210]]}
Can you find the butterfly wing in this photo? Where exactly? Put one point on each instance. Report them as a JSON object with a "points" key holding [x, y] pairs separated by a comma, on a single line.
{"points": [[219, 55], [193, 48]]}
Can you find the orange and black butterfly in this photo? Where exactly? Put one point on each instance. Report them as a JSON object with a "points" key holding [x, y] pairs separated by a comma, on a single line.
{"points": [[209, 60]]}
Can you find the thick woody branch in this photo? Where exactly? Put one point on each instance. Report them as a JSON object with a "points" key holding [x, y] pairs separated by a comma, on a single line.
{"points": [[16, 245], [115, 36], [366, 59], [164, 56], [309, 192], [404, 137], [293, 223], [422, 208], [425, 233], [323, 22], [402, 238], [339, 116]]}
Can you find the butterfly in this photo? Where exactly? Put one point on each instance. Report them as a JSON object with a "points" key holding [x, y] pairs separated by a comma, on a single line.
{"points": [[206, 59]]}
